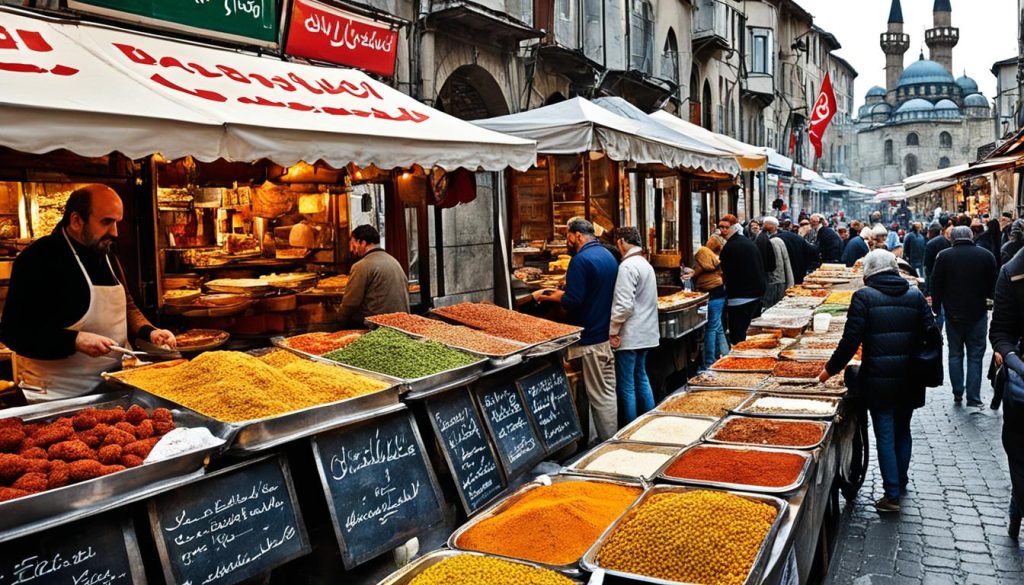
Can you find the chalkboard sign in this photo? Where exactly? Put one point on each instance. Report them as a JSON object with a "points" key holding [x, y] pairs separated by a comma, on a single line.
{"points": [[380, 488], [504, 413], [463, 441], [229, 526], [96, 551], [550, 402]]}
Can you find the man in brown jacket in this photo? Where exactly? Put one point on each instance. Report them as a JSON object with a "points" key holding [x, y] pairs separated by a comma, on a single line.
{"points": [[377, 283]]}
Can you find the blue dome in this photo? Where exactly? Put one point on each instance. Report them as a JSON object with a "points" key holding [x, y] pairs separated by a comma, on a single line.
{"points": [[947, 105], [915, 105], [925, 71], [864, 111], [976, 101], [882, 108], [876, 91], [967, 84]]}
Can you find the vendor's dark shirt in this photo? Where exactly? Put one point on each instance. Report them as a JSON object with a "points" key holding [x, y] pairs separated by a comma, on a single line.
{"points": [[589, 286], [48, 294]]}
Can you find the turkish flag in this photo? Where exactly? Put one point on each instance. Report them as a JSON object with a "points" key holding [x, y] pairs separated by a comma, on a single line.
{"points": [[821, 114]]}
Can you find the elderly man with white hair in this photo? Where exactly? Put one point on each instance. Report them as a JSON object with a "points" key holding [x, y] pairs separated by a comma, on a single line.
{"points": [[890, 319], [830, 245], [781, 277]]}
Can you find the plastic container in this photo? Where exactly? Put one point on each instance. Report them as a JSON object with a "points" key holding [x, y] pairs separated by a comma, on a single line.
{"points": [[822, 322]]}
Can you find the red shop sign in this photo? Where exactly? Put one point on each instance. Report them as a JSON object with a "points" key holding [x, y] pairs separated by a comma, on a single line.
{"points": [[324, 33]]}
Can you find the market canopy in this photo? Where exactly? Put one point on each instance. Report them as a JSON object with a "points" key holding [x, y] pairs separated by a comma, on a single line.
{"points": [[750, 158], [818, 183], [578, 125], [931, 176], [778, 162], [94, 90]]}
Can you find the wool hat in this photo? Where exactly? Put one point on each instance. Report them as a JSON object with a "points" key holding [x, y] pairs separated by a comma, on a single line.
{"points": [[879, 261]]}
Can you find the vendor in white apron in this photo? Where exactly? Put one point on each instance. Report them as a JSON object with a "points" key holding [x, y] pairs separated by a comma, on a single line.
{"points": [[67, 307]]}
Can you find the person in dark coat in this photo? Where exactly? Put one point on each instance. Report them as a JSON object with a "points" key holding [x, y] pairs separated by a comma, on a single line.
{"points": [[964, 278], [1005, 226], [744, 275], [857, 248], [931, 251], [764, 246], [913, 248], [800, 252], [1014, 242], [889, 319], [830, 246], [1006, 334], [991, 239]]}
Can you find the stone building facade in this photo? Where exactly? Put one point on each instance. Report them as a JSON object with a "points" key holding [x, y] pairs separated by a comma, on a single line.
{"points": [[924, 119]]}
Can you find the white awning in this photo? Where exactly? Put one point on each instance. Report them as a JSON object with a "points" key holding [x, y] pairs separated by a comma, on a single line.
{"points": [[929, 187], [578, 125], [751, 158], [936, 175], [779, 163], [94, 90], [817, 182]]}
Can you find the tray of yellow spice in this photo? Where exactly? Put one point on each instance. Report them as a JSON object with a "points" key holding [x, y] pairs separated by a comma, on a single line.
{"points": [[261, 400], [452, 567], [682, 535], [550, 525]]}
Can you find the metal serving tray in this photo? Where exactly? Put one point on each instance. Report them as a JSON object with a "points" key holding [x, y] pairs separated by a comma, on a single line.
{"points": [[709, 437], [660, 407], [561, 342], [627, 432], [590, 560], [497, 358], [507, 502], [820, 390], [555, 345], [43, 510], [406, 574], [743, 409], [688, 304], [579, 467], [256, 435], [418, 386], [786, 489]]}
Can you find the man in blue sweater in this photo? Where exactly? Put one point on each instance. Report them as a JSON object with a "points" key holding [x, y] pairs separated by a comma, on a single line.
{"points": [[589, 287]]}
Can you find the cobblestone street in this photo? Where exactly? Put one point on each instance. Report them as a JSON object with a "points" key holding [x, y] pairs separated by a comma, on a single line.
{"points": [[952, 528]]}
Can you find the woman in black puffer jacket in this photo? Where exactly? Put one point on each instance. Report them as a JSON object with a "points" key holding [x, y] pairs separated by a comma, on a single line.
{"points": [[890, 319]]}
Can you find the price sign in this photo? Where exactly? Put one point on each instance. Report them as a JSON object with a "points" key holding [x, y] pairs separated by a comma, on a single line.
{"points": [[505, 414], [550, 403]]}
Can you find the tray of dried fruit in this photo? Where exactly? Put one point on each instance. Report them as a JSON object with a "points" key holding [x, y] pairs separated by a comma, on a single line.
{"points": [[101, 443], [415, 387], [262, 408], [592, 560], [501, 352]]}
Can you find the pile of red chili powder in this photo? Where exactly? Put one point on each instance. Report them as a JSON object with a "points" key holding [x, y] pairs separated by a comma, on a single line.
{"points": [[761, 431], [737, 466]]}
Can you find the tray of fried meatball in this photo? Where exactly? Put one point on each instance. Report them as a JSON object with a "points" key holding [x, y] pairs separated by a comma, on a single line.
{"points": [[70, 459]]}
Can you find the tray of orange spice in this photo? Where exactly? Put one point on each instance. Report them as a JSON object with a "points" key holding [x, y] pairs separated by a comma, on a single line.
{"points": [[744, 364]]}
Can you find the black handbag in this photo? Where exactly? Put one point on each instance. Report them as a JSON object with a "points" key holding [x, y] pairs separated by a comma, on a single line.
{"points": [[926, 365]]}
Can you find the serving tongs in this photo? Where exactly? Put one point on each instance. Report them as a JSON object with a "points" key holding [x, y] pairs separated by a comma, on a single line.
{"points": [[149, 350]]}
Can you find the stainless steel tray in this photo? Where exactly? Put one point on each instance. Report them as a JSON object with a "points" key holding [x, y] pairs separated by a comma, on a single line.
{"points": [[497, 357], [786, 489], [579, 466], [660, 407], [406, 574], [506, 502], [446, 379], [627, 432], [709, 437], [43, 510], [260, 434], [590, 560], [819, 390], [689, 304], [743, 409], [553, 346]]}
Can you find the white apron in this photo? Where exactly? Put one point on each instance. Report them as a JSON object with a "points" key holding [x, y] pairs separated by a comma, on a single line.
{"points": [[78, 374]]}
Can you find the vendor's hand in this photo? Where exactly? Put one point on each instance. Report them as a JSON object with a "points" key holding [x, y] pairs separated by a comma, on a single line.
{"points": [[93, 345], [615, 341], [998, 357], [824, 376], [163, 338], [543, 294]]}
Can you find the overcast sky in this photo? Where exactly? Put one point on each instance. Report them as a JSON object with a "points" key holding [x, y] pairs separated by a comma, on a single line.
{"points": [[988, 33]]}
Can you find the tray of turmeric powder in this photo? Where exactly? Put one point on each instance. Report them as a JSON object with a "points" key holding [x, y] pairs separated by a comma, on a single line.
{"points": [[261, 400], [680, 535], [551, 525]]}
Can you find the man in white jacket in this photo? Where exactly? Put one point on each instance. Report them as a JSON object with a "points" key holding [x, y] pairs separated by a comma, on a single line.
{"points": [[634, 324], [782, 277]]}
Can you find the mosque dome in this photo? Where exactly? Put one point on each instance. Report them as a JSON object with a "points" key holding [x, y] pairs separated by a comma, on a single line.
{"points": [[976, 101], [925, 71], [916, 105], [876, 91], [967, 85], [946, 105]]}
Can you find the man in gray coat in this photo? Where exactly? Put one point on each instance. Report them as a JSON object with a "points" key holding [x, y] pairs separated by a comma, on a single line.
{"points": [[782, 277], [634, 324]]}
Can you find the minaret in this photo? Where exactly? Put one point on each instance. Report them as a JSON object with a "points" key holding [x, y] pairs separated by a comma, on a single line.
{"points": [[943, 36], [894, 44]]}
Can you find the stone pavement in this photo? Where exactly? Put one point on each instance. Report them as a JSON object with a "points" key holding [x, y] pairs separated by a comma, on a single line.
{"points": [[952, 528]]}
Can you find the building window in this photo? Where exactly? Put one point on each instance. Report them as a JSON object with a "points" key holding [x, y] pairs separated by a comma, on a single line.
{"points": [[707, 108], [761, 43], [888, 152], [944, 162], [910, 164], [694, 100], [641, 37], [912, 139], [670, 59], [945, 140]]}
